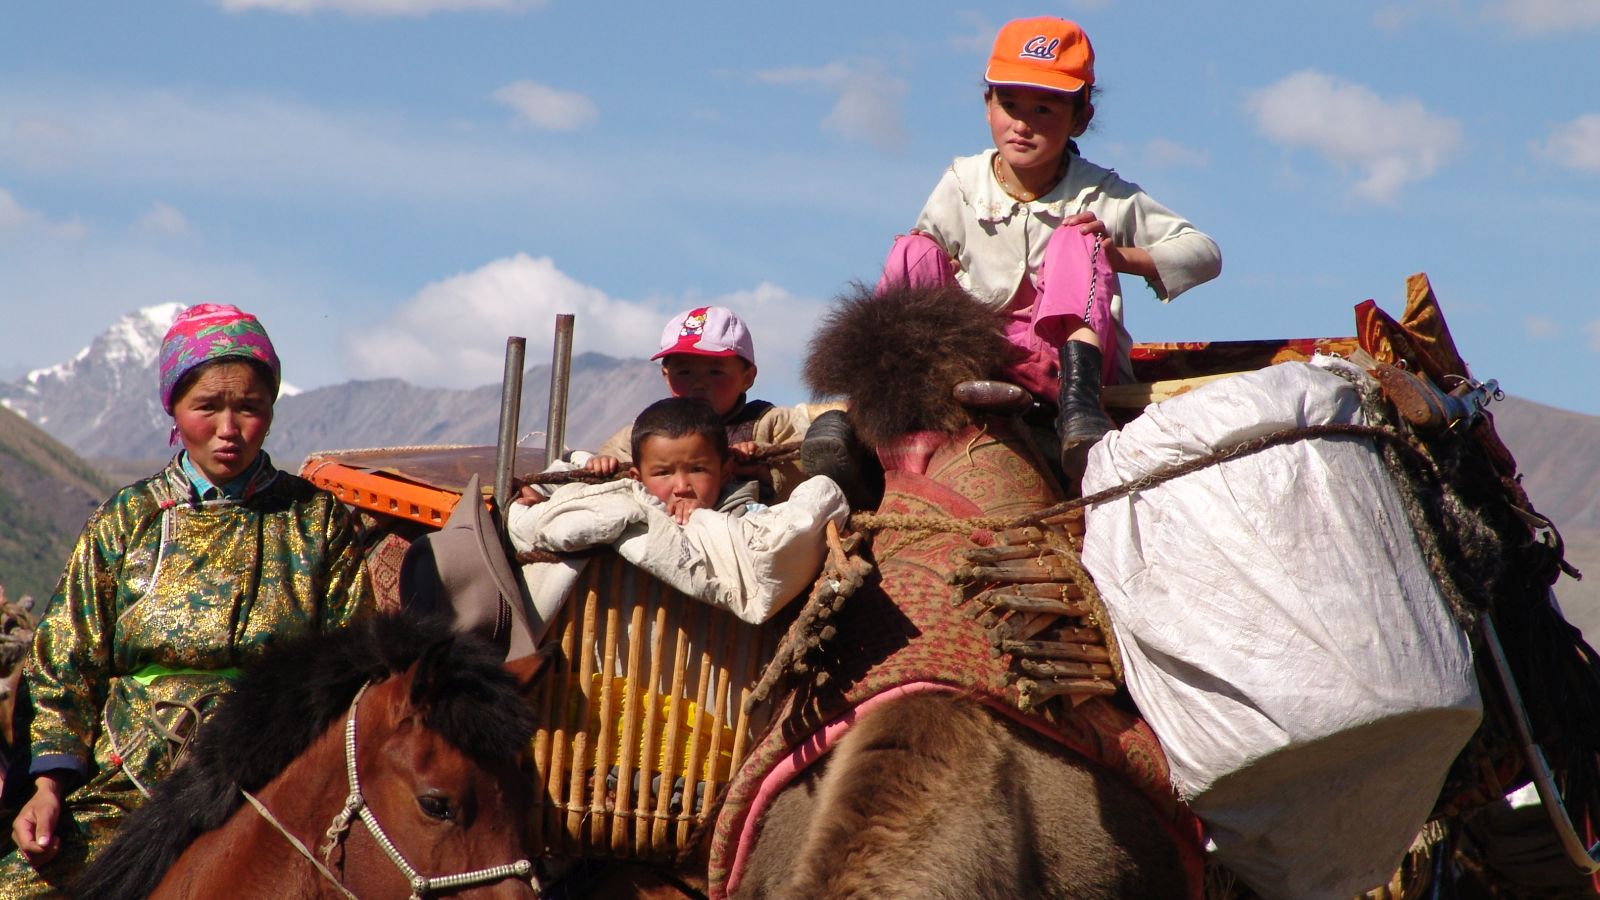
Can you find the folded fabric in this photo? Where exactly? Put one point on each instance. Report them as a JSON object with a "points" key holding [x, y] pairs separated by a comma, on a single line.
{"points": [[750, 565]]}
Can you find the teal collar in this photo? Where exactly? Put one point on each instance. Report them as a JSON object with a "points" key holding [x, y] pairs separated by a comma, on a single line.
{"points": [[233, 490]]}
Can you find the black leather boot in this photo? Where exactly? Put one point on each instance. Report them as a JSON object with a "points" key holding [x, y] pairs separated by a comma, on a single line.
{"points": [[831, 448], [1081, 422]]}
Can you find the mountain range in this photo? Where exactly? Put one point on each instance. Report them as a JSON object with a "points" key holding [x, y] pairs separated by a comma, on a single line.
{"points": [[102, 406], [103, 403]]}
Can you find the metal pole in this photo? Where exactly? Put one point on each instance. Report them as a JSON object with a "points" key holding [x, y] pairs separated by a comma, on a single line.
{"points": [[555, 428], [510, 406]]}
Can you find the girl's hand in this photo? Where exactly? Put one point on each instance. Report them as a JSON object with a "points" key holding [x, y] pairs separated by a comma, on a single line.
{"points": [[1125, 260], [743, 450], [955, 264], [34, 830], [1088, 223]]}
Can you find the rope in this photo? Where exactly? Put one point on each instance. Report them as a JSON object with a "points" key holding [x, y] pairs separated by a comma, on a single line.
{"points": [[840, 579], [297, 844], [927, 524]]}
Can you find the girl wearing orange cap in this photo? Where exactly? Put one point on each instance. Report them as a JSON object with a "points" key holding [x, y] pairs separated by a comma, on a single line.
{"points": [[1040, 233]]}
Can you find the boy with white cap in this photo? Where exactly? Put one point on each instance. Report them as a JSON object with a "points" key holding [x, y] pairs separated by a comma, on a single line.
{"points": [[707, 353]]}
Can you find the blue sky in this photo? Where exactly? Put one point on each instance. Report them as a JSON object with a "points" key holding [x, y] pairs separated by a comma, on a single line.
{"points": [[396, 185]]}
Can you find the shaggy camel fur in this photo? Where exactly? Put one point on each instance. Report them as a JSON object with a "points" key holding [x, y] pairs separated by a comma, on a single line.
{"points": [[933, 796]]}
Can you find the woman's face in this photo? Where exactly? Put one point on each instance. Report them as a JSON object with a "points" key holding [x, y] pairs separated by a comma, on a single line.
{"points": [[223, 418]]}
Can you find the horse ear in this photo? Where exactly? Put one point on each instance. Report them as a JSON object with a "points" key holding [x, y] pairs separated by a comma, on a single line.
{"points": [[430, 673], [526, 670]]}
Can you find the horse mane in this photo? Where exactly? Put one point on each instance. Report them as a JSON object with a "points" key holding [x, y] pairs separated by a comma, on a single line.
{"points": [[286, 699], [935, 337]]}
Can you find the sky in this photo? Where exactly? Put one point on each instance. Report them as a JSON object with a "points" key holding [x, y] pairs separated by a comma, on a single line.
{"points": [[396, 186]]}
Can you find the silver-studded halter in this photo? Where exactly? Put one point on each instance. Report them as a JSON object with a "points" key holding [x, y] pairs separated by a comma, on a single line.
{"points": [[356, 807]]}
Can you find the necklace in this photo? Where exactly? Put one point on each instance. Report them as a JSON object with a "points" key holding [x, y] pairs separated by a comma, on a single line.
{"points": [[1021, 193]]}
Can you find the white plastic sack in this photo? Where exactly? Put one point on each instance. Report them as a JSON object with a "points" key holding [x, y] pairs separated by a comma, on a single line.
{"points": [[1280, 631]]}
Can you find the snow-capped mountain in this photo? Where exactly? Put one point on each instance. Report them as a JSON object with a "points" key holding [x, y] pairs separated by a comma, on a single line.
{"points": [[103, 402]]}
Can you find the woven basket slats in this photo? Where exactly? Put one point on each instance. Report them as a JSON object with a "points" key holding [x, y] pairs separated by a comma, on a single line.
{"points": [[640, 719]]}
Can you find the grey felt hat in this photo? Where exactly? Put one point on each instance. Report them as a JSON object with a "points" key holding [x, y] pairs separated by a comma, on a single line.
{"points": [[464, 567]]}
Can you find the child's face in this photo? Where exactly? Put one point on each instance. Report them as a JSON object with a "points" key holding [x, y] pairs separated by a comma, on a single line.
{"points": [[1031, 127], [682, 468], [718, 380]]}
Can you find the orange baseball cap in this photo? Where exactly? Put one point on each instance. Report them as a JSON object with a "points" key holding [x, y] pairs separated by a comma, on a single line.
{"points": [[1045, 52]]}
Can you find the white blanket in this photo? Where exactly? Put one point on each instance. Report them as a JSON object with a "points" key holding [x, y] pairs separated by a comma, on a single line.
{"points": [[1281, 632], [750, 565]]}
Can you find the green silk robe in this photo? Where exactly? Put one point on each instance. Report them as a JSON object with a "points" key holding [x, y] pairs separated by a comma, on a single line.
{"points": [[165, 595]]}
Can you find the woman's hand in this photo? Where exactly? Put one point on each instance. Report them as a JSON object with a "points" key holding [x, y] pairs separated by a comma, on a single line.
{"points": [[34, 829]]}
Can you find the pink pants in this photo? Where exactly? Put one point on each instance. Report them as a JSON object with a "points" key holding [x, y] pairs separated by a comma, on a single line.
{"points": [[1045, 309]]}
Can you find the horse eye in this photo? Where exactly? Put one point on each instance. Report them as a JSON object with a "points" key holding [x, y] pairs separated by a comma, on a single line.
{"points": [[435, 807]]}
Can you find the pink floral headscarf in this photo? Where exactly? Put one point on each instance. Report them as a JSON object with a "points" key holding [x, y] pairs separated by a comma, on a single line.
{"points": [[210, 331]]}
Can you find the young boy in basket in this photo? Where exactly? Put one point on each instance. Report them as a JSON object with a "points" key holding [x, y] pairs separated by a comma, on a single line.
{"points": [[683, 517]]}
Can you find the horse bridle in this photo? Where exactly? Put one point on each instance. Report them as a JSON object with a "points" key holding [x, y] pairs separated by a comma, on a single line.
{"points": [[355, 806]]}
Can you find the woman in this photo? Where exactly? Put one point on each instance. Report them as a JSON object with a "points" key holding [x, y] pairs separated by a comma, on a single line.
{"points": [[173, 583]]}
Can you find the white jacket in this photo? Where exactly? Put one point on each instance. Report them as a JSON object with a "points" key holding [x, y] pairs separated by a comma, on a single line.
{"points": [[750, 565], [999, 240]]}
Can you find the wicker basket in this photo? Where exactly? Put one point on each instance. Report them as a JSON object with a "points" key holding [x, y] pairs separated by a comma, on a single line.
{"points": [[641, 715]]}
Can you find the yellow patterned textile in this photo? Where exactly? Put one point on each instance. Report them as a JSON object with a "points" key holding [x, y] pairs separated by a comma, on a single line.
{"points": [[163, 598]]}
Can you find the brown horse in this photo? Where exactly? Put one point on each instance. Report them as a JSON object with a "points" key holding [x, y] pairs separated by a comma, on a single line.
{"points": [[379, 761], [940, 786]]}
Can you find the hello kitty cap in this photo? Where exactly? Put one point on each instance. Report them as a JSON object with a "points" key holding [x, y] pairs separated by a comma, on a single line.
{"points": [[707, 331]]}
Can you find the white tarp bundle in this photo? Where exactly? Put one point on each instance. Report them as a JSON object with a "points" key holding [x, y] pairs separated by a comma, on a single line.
{"points": [[1281, 632]]}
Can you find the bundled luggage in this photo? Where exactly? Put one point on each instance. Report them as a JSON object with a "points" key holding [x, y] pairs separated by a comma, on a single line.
{"points": [[1280, 629]]}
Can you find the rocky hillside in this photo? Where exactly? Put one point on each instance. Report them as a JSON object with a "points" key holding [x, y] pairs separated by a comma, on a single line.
{"points": [[1558, 454], [604, 395], [103, 404], [46, 493]]}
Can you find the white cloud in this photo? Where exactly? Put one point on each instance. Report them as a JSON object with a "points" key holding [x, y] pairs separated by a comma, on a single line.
{"points": [[12, 215], [452, 333], [1389, 143], [253, 144], [1164, 154], [546, 107], [1576, 144], [867, 104], [162, 219], [17, 219], [977, 36], [377, 7], [1545, 16], [1541, 328]]}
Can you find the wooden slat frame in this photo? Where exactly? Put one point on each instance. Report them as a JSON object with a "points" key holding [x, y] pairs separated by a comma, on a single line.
{"points": [[674, 653]]}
